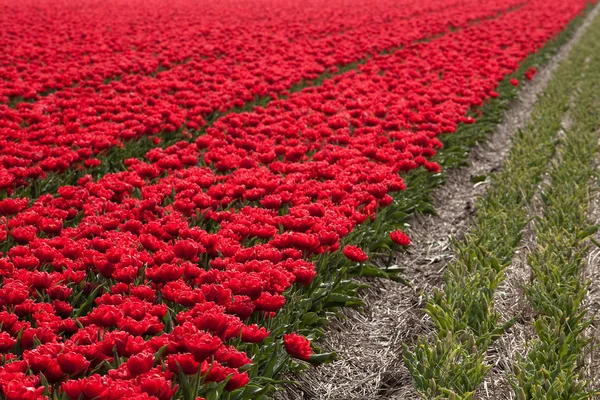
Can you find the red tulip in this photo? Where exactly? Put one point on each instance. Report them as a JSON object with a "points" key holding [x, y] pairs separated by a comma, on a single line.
{"points": [[72, 363], [297, 346], [400, 238], [355, 254], [188, 365], [140, 363], [12, 206], [202, 345]]}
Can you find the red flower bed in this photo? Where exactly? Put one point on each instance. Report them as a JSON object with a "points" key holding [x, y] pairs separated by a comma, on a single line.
{"points": [[54, 46], [75, 125], [179, 277]]}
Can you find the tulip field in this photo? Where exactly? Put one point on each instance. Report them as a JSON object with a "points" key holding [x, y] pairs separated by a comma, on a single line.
{"points": [[187, 189]]}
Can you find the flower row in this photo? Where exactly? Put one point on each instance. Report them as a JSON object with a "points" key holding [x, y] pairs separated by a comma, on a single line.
{"points": [[59, 45], [73, 126]]}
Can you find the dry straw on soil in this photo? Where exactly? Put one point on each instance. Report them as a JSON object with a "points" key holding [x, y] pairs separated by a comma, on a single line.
{"points": [[592, 302]]}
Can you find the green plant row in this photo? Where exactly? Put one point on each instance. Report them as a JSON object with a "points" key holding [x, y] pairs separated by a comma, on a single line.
{"points": [[551, 367], [452, 364]]}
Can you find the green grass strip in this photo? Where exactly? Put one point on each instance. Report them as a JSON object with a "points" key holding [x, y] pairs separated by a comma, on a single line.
{"points": [[451, 364], [551, 368]]}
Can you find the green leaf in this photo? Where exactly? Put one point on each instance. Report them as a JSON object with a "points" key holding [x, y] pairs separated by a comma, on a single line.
{"points": [[158, 355], [323, 358], [89, 302], [338, 299], [253, 391], [376, 272]]}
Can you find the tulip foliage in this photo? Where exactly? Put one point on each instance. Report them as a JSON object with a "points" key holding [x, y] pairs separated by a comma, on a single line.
{"points": [[205, 265]]}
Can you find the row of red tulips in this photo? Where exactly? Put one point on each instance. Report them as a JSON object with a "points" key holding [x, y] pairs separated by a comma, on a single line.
{"points": [[72, 127], [54, 45]]}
